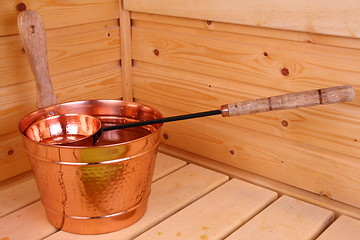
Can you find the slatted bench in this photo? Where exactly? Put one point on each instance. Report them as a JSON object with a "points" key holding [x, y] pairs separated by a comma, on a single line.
{"points": [[187, 202]]}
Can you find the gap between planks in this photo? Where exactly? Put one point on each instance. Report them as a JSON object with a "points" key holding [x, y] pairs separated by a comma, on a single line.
{"points": [[215, 215], [337, 207], [307, 37]]}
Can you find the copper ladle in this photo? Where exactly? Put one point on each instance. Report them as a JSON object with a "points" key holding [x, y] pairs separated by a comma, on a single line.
{"points": [[92, 131]]}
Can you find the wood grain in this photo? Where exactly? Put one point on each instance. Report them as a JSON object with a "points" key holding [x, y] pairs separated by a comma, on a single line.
{"points": [[100, 43], [301, 165], [18, 196], [281, 188], [195, 69], [241, 58], [313, 125], [310, 38], [27, 223], [322, 96], [13, 159], [344, 228], [57, 14], [126, 55], [336, 18], [215, 215], [286, 218], [165, 165]]}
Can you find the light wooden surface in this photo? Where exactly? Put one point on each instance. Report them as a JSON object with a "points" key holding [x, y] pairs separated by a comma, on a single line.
{"points": [[333, 17], [216, 214], [58, 15], [126, 56], [27, 223], [17, 196], [165, 165], [236, 69], [287, 218], [255, 151], [306, 37], [179, 69], [192, 202], [281, 188], [292, 163], [344, 228], [99, 41]]}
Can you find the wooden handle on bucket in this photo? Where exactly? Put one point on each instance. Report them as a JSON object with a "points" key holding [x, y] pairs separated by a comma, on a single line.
{"points": [[293, 100], [32, 33]]}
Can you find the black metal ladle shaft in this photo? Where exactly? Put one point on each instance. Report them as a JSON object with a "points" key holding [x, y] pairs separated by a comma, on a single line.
{"points": [[97, 135]]}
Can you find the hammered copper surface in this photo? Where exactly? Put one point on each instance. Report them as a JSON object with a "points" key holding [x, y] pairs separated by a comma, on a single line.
{"points": [[64, 129], [96, 189]]}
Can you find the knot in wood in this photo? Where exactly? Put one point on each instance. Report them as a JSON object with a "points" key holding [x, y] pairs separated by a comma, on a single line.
{"points": [[156, 52], [285, 71], [21, 7]]}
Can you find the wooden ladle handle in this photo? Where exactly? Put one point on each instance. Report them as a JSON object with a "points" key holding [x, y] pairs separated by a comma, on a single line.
{"points": [[32, 33], [293, 100]]}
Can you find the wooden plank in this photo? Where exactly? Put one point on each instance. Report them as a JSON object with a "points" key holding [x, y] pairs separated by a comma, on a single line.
{"points": [[281, 188], [57, 15], [215, 215], [20, 192], [312, 38], [339, 18], [315, 126], [100, 43], [344, 228], [168, 195], [13, 159], [27, 223], [235, 67], [242, 58], [126, 56], [286, 218], [314, 169], [165, 165]]}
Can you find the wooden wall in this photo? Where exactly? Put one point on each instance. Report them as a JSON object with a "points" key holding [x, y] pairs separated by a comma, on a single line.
{"points": [[83, 42], [183, 58], [184, 65]]}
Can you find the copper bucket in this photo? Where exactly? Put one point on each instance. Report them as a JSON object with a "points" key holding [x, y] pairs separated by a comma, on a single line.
{"points": [[87, 189], [96, 189]]}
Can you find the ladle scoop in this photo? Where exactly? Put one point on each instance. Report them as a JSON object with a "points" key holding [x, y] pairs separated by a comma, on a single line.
{"points": [[287, 101]]}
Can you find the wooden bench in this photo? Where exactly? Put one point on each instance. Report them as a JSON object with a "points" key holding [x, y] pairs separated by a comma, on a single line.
{"points": [[187, 202]]}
